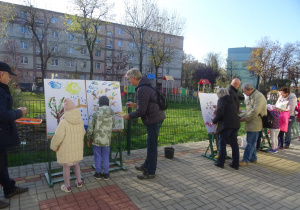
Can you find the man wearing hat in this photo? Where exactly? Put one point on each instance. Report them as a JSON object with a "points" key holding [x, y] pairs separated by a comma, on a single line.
{"points": [[8, 132]]}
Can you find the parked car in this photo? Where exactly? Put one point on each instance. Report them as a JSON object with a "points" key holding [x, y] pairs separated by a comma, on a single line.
{"points": [[25, 87]]}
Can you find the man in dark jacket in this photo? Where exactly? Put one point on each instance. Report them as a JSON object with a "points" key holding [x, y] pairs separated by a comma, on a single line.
{"points": [[233, 91], [8, 132], [228, 127], [151, 115]]}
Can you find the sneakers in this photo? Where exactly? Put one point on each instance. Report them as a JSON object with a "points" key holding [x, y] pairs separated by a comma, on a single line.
{"points": [[243, 163], [106, 177], [140, 168], [216, 164], [65, 189], [253, 161], [3, 204], [281, 148], [18, 190], [146, 176], [286, 147], [78, 184], [97, 175], [273, 150]]}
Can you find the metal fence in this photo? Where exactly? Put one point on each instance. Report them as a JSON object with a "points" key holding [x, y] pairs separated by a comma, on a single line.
{"points": [[183, 124]]}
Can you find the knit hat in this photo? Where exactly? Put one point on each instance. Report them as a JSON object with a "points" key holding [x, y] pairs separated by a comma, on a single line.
{"points": [[103, 101], [69, 104], [281, 105]]}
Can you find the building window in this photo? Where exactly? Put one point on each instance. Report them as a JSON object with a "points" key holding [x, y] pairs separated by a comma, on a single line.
{"points": [[38, 51], [109, 43], [131, 45], [54, 62], [98, 53], [54, 76], [97, 65], [70, 63], [23, 45], [70, 22], [22, 14], [70, 36], [99, 28], [55, 49], [169, 39], [131, 57], [120, 56], [120, 31], [83, 51], [39, 22], [54, 20], [83, 65], [109, 33], [82, 38], [120, 44], [24, 60], [98, 41], [82, 76], [54, 33], [70, 50], [38, 66], [40, 36], [23, 29]]}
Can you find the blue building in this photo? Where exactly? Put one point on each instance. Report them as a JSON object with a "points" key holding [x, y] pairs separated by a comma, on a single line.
{"points": [[237, 64]]}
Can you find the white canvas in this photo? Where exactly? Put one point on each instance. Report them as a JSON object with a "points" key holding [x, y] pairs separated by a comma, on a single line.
{"points": [[208, 103], [85, 95], [96, 89]]}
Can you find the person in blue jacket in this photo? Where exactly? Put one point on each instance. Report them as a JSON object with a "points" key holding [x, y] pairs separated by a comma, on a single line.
{"points": [[8, 132]]}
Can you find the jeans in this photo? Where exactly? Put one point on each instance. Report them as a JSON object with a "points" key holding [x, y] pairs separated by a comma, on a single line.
{"points": [[229, 136], [7, 183], [151, 158], [250, 150], [258, 140], [101, 157], [288, 134]]}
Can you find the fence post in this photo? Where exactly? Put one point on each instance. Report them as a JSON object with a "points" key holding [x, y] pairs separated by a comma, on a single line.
{"points": [[129, 130]]}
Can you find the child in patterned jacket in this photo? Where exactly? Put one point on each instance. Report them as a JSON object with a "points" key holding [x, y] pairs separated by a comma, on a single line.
{"points": [[99, 133], [274, 131]]}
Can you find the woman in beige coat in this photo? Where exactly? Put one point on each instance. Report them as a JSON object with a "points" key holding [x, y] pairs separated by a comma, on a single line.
{"points": [[68, 143]]}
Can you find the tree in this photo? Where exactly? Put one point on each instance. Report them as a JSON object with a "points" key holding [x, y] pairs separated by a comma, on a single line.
{"points": [[7, 14], [213, 60], [207, 72], [162, 48], [189, 67], [56, 111], [138, 21], [12, 55], [231, 69], [38, 23], [89, 16]]}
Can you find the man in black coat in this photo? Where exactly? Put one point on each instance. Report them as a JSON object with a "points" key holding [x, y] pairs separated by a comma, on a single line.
{"points": [[151, 115], [8, 132], [233, 91]]}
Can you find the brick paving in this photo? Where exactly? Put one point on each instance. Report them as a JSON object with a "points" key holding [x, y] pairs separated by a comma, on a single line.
{"points": [[188, 181]]}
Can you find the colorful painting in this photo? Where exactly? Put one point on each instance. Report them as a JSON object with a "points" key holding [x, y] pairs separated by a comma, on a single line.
{"points": [[208, 103], [96, 89], [56, 90], [85, 94]]}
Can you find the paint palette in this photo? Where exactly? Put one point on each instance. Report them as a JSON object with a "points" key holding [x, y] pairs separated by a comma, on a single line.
{"points": [[29, 121]]}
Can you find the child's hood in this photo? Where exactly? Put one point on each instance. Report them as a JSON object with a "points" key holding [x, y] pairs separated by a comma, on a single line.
{"points": [[73, 116]]}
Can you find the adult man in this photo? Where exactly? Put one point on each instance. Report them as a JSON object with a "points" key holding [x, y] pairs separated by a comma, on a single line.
{"points": [[151, 115], [233, 91], [8, 133], [256, 106]]}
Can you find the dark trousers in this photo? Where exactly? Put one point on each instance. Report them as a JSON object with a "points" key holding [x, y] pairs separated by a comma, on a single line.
{"points": [[228, 136], [280, 138], [7, 183], [151, 158], [288, 134], [258, 140]]}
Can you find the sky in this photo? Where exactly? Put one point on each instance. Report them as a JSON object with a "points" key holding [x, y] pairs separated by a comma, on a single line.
{"points": [[216, 25]]}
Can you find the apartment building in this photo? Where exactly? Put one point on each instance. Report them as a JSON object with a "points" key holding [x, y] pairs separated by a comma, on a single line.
{"points": [[237, 59], [69, 54]]}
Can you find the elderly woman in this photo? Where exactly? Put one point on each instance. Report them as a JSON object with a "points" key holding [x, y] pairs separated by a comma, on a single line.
{"points": [[291, 100], [228, 127]]}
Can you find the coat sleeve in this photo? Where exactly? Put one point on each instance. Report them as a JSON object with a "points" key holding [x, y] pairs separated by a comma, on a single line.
{"points": [[220, 111], [58, 136], [256, 108], [90, 130], [7, 115], [142, 103]]}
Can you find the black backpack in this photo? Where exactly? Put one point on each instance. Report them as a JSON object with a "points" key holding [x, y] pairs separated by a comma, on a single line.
{"points": [[162, 100], [268, 120]]}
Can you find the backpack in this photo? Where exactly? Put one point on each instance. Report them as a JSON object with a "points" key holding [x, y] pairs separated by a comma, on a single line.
{"points": [[162, 100], [268, 120]]}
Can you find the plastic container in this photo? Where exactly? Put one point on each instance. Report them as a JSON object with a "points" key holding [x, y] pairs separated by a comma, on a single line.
{"points": [[169, 152]]}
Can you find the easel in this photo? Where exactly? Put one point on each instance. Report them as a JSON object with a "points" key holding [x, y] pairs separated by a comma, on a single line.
{"points": [[213, 153], [116, 162]]}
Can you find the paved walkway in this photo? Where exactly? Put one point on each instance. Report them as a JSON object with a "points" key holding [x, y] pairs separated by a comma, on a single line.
{"points": [[189, 181]]}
